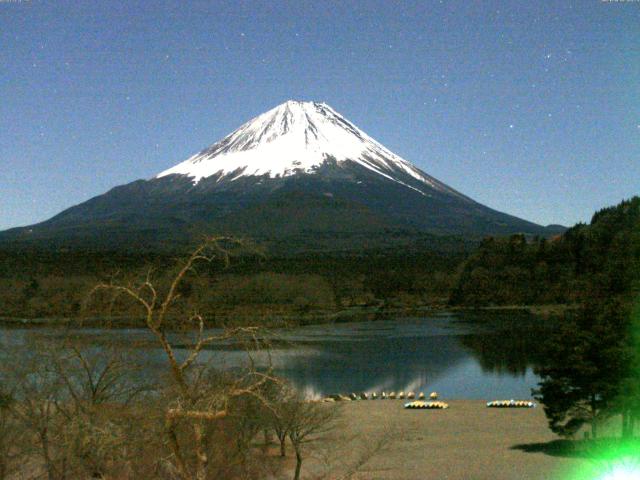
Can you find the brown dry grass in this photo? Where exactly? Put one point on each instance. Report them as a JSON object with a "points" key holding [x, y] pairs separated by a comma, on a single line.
{"points": [[466, 442]]}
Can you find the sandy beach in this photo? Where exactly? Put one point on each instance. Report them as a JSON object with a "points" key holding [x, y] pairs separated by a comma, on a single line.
{"points": [[466, 441]]}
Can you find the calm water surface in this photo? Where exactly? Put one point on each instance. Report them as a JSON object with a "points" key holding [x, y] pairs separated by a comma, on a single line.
{"points": [[458, 355]]}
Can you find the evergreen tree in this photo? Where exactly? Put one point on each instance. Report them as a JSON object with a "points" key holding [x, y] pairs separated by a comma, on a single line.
{"points": [[582, 376], [593, 363]]}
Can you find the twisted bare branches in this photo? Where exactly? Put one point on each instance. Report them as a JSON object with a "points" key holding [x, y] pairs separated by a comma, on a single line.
{"points": [[197, 401]]}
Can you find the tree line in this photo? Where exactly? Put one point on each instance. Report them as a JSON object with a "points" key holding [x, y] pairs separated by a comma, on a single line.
{"points": [[569, 268], [53, 284], [592, 368]]}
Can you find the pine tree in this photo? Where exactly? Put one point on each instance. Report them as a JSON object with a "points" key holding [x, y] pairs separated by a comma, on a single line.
{"points": [[582, 376]]}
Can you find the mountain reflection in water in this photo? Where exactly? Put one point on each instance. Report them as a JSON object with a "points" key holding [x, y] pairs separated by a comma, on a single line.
{"points": [[459, 355], [445, 354]]}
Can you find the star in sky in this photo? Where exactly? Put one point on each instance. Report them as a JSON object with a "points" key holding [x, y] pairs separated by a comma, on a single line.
{"points": [[479, 70]]}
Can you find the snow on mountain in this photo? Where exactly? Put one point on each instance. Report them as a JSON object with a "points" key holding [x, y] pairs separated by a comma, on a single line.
{"points": [[298, 137], [301, 173]]}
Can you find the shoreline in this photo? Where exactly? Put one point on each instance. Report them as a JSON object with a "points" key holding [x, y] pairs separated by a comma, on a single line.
{"points": [[355, 314]]}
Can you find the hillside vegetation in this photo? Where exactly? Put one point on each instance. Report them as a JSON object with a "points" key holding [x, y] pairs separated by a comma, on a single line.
{"points": [[42, 283], [586, 261], [431, 271]]}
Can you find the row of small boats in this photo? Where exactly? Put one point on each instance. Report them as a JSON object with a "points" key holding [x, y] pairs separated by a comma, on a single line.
{"points": [[382, 396], [419, 404], [511, 404]]}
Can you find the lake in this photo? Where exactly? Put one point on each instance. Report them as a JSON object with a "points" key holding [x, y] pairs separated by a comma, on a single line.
{"points": [[459, 355]]}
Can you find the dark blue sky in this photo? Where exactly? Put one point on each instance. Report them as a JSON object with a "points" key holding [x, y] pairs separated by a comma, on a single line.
{"points": [[529, 107]]}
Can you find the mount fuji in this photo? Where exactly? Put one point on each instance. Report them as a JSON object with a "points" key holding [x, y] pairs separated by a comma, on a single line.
{"points": [[300, 171], [298, 138]]}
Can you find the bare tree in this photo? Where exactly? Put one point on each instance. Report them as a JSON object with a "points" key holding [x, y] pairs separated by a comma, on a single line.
{"points": [[278, 416], [97, 376], [280, 425], [307, 423], [195, 402], [36, 393], [338, 454], [9, 436], [66, 402], [365, 450], [98, 386]]}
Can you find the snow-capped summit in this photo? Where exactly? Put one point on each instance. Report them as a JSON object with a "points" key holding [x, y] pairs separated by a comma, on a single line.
{"points": [[297, 137]]}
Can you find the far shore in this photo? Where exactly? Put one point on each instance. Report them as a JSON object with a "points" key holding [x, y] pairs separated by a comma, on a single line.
{"points": [[292, 318]]}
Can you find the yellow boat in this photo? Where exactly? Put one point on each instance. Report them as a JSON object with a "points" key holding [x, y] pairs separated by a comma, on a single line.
{"points": [[511, 404], [419, 404]]}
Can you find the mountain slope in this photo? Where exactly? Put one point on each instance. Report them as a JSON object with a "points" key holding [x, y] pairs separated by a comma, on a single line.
{"points": [[300, 170]]}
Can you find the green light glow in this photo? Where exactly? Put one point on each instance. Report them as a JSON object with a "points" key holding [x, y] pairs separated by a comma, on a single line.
{"points": [[610, 459], [623, 471], [614, 458]]}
